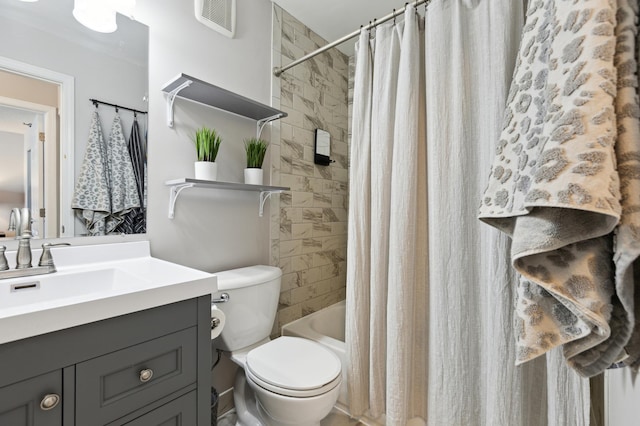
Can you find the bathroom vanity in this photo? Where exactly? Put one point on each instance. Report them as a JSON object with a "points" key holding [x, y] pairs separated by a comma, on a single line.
{"points": [[133, 352]]}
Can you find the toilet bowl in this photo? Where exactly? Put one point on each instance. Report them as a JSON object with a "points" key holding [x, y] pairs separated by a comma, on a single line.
{"points": [[285, 381]]}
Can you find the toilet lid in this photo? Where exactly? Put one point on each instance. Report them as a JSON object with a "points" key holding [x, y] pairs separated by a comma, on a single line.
{"points": [[293, 363]]}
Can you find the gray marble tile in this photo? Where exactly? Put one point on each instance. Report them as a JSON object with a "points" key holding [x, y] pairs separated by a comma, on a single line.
{"points": [[323, 172], [285, 231], [285, 199], [334, 242], [290, 248], [322, 229], [301, 294], [286, 98], [302, 230], [292, 215], [311, 245], [312, 215], [301, 263], [301, 167], [312, 122], [291, 149], [287, 33], [284, 299], [302, 199], [321, 200]]}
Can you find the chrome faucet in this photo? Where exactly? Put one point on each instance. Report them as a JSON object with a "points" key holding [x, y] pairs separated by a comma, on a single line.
{"points": [[23, 257]]}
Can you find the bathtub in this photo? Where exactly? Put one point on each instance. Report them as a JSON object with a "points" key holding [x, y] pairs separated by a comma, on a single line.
{"points": [[326, 327]]}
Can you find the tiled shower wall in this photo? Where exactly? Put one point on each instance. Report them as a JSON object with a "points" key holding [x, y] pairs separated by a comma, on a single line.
{"points": [[308, 224]]}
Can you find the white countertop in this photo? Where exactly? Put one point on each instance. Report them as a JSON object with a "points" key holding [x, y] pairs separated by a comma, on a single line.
{"points": [[94, 283]]}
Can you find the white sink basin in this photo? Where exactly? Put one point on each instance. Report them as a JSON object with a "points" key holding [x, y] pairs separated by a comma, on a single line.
{"points": [[18, 293], [94, 283]]}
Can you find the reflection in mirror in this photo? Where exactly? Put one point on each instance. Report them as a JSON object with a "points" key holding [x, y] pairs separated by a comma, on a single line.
{"points": [[61, 65]]}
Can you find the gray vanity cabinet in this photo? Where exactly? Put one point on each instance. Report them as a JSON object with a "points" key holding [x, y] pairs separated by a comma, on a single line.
{"points": [[146, 368], [32, 402]]}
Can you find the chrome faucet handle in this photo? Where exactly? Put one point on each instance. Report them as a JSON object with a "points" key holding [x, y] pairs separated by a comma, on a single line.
{"points": [[4, 265], [46, 259]]}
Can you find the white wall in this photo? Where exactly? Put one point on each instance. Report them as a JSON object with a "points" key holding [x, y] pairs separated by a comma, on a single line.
{"points": [[212, 230]]}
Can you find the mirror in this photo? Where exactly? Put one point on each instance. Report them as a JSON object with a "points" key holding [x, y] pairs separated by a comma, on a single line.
{"points": [[50, 68]]}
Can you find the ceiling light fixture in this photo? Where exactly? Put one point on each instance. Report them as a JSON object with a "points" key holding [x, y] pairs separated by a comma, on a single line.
{"points": [[124, 7], [100, 15], [95, 15]]}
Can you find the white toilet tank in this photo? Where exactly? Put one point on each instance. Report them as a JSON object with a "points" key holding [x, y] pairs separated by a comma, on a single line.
{"points": [[253, 292]]}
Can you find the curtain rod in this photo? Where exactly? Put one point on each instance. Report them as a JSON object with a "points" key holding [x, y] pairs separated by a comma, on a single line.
{"points": [[96, 102], [278, 71]]}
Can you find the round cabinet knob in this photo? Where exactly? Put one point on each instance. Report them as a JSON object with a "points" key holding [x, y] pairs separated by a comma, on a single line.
{"points": [[146, 375], [49, 402]]}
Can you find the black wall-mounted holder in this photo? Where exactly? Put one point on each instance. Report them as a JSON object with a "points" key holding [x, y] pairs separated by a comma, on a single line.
{"points": [[322, 148]]}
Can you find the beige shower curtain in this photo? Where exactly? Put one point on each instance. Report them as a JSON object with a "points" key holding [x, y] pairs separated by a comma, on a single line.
{"points": [[386, 256], [435, 346]]}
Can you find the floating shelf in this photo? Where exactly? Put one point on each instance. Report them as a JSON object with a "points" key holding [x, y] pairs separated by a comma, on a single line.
{"points": [[177, 185], [195, 90]]}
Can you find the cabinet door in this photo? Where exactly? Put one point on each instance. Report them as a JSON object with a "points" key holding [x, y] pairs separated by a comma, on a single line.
{"points": [[179, 412], [33, 402]]}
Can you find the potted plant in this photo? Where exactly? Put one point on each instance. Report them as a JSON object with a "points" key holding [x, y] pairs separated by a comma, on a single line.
{"points": [[256, 149], [207, 145]]}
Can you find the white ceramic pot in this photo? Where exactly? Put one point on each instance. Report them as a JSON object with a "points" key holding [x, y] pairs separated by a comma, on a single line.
{"points": [[253, 176], [206, 170]]}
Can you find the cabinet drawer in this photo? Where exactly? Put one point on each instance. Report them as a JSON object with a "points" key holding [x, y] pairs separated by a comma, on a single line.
{"points": [[20, 403], [179, 412], [115, 384]]}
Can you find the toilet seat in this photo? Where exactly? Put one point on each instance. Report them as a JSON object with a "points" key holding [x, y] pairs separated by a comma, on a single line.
{"points": [[293, 366]]}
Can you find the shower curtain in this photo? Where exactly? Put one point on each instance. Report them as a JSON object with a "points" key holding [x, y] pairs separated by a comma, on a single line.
{"points": [[435, 345], [387, 226]]}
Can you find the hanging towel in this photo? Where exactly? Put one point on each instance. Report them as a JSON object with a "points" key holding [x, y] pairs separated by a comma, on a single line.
{"points": [[627, 249], [124, 188], [91, 198], [134, 222], [555, 190]]}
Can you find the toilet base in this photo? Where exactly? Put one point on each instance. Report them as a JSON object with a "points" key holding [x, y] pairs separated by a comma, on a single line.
{"points": [[249, 410], [245, 401]]}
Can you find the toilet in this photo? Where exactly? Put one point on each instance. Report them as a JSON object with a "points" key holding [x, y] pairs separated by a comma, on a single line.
{"points": [[285, 381]]}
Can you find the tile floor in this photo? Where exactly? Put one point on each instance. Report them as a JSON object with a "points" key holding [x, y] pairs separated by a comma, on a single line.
{"points": [[335, 418]]}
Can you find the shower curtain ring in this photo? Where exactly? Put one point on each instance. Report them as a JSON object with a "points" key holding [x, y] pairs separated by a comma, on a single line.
{"points": [[394, 16]]}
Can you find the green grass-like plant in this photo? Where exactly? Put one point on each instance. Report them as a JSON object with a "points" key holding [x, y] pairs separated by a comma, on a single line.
{"points": [[256, 150], [207, 144]]}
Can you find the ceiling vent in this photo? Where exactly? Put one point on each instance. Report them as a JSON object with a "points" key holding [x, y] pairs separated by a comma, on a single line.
{"points": [[219, 15]]}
